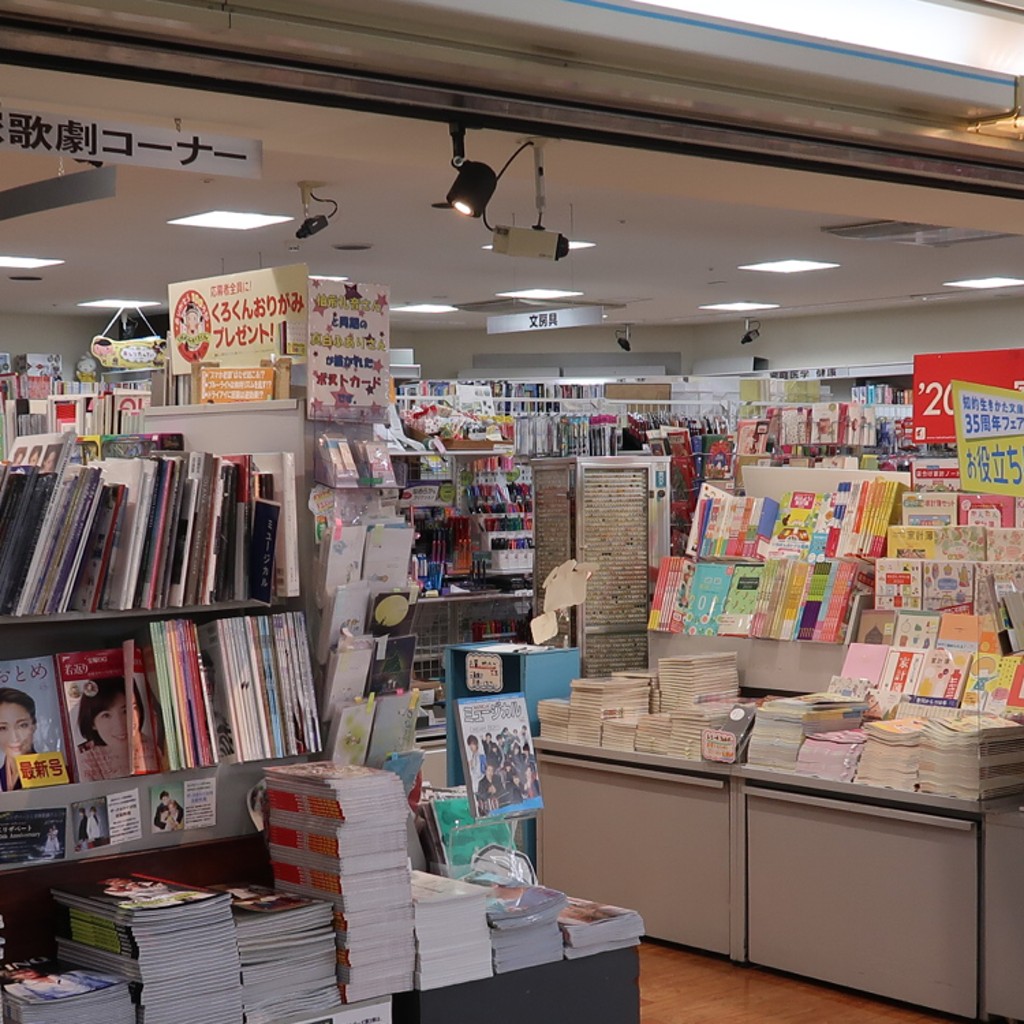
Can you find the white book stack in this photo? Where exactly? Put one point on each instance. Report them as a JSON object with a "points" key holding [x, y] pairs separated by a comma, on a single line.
{"points": [[653, 733], [593, 701], [832, 755], [972, 757], [589, 928], [85, 997], [182, 940], [687, 724], [892, 753], [690, 679], [287, 950], [618, 734], [782, 724], [553, 713], [340, 834], [524, 926], [453, 941]]}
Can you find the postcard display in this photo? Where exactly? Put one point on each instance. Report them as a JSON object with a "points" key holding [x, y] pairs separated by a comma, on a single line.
{"points": [[612, 512]]}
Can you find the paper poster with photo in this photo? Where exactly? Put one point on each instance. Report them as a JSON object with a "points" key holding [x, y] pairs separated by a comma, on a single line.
{"points": [[30, 717], [349, 362], [167, 807], [90, 825], [29, 836], [498, 758], [239, 319]]}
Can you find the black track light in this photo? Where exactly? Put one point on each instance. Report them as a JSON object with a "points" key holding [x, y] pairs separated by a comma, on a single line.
{"points": [[622, 336], [753, 331], [473, 188]]}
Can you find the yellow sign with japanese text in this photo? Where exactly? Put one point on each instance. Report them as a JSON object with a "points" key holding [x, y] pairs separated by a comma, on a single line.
{"points": [[989, 438], [239, 319], [37, 770]]}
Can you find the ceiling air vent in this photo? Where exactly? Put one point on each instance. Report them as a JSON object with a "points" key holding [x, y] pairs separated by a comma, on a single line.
{"points": [[906, 233]]}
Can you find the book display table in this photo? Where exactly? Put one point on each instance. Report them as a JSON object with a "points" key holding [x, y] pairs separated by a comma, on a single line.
{"points": [[869, 888], [600, 989]]}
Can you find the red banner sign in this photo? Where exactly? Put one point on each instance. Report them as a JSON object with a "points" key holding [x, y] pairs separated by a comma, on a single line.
{"points": [[934, 373]]}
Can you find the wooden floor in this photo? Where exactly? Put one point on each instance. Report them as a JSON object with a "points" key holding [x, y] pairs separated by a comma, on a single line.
{"points": [[678, 987]]}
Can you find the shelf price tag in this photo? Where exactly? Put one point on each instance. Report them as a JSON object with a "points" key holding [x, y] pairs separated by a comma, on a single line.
{"points": [[934, 374], [38, 770]]}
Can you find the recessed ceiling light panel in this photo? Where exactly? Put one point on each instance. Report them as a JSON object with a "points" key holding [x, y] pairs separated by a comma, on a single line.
{"points": [[740, 307], [788, 266], [985, 282], [27, 262], [327, 277], [119, 304], [539, 293], [424, 307], [230, 220]]}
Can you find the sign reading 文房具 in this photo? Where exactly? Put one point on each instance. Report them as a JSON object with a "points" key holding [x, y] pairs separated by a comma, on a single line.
{"points": [[990, 438]]}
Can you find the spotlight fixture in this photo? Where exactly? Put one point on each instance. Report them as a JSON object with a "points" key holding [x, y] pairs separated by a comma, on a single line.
{"points": [[313, 225], [753, 331], [622, 336]]}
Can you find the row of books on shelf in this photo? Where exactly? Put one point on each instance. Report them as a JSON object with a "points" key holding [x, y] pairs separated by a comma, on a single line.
{"points": [[826, 423], [778, 600], [171, 529], [952, 583], [177, 695], [853, 520]]}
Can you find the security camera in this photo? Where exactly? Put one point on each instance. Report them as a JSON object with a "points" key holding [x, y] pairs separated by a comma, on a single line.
{"points": [[535, 243], [753, 331], [311, 225]]}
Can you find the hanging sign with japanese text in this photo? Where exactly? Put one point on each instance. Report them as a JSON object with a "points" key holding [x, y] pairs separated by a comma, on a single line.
{"points": [[549, 320], [934, 373], [113, 142], [239, 319], [989, 438], [349, 352]]}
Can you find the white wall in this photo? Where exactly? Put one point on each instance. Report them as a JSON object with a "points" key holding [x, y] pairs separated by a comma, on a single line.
{"points": [[884, 336], [68, 335], [443, 353]]}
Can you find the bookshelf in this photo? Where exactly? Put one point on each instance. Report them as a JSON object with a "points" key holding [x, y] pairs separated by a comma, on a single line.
{"points": [[229, 846]]}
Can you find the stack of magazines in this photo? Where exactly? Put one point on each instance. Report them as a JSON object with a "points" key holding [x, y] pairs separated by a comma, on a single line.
{"points": [[453, 944], [338, 832], [42, 992], [177, 943], [892, 754], [590, 928], [524, 926], [289, 961]]}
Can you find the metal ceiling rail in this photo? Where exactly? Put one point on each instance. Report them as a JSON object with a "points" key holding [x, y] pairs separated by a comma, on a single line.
{"points": [[79, 50]]}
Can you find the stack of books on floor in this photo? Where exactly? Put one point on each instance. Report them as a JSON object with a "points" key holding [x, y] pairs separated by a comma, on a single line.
{"points": [[594, 701], [973, 757], [177, 943], [589, 928], [688, 723], [524, 926], [832, 755], [553, 713], [782, 725], [42, 992], [453, 942], [892, 753], [338, 832], [653, 733], [694, 678], [287, 950]]}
